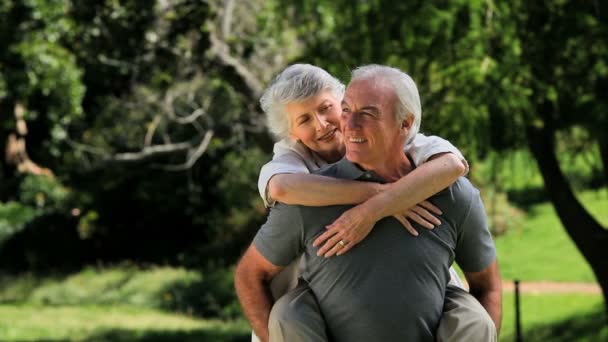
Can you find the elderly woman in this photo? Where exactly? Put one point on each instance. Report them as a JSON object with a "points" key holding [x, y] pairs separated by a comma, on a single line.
{"points": [[302, 107]]}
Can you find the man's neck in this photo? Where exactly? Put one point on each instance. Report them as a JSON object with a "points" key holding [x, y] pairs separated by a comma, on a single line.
{"points": [[391, 169]]}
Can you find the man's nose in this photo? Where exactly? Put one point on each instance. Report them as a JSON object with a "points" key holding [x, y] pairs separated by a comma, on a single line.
{"points": [[350, 121]]}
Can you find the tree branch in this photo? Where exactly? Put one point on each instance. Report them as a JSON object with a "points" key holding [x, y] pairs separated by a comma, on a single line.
{"points": [[194, 156], [222, 52], [150, 152]]}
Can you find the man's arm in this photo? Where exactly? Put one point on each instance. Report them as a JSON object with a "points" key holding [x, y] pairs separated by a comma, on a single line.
{"points": [[486, 287], [251, 280]]}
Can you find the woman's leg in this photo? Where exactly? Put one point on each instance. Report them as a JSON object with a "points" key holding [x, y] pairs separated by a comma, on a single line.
{"points": [[296, 317], [464, 319]]}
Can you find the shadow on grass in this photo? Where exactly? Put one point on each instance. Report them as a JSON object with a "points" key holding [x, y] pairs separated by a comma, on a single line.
{"points": [[124, 335], [590, 326], [166, 336]]}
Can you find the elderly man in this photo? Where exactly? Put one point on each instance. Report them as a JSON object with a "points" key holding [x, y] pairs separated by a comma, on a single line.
{"points": [[391, 286]]}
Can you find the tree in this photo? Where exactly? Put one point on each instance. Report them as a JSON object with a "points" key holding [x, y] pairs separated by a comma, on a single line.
{"points": [[130, 104], [564, 66]]}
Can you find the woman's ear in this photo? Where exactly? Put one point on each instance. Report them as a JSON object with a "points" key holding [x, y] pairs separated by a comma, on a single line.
{"points": [[293, 138], [407, 122]]}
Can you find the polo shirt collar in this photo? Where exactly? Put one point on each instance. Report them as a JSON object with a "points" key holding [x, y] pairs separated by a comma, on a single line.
{"points": [[349, 170]]}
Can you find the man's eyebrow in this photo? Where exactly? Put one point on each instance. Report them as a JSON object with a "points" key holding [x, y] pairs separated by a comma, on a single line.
{"points": [[373, 109]]}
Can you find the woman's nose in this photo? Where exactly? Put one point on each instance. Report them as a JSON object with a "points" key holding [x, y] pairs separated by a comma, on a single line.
{"points": [[321, 122]]}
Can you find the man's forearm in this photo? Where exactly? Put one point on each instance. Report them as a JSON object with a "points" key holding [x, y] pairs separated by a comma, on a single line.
{"points": [[251, 280], [256, 301], [315, 190], [420, 184], [486, 287]]}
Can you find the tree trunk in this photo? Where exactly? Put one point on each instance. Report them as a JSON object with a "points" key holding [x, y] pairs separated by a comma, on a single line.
{"points": [[586, 232], [603, 142]]}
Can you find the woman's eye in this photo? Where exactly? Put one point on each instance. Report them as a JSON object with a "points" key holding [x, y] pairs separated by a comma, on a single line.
{"points": [[325, 109], [302, 121]]}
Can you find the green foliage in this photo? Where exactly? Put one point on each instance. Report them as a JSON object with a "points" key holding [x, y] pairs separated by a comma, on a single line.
{"points": [[13, 217], [48, 70], [38, 195], [42, 192]]}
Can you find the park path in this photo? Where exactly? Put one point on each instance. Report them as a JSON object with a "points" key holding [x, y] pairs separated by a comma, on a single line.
{"points": [[552, 287], [549, 287]]}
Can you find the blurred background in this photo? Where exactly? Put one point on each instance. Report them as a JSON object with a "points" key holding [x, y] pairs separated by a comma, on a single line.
{"points": [[132, 139]]}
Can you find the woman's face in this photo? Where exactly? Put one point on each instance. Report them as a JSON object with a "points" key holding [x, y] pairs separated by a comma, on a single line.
{"points": [[315, 122]]}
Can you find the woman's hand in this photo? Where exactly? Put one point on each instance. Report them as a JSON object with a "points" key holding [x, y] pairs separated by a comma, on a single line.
{"points": [[355, 224], [423, 214], [346, 231]]}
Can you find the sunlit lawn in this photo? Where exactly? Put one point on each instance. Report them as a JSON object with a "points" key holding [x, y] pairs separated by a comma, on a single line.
{"points": [[541, 249], [556, 317], [110, 323]]}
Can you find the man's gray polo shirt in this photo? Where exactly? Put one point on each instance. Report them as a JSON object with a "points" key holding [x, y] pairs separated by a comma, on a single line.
{"points": [[391, 286]]}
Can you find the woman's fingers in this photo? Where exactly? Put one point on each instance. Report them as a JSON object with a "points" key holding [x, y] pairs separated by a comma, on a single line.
{"points": [[323, 237], [426, 215], [347, 246], [430, 206], [329, 245], [418, 219], [335, 249], [406, 224]]}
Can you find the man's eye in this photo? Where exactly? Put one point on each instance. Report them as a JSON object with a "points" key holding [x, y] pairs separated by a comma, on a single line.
{"points": [[345, 110]]}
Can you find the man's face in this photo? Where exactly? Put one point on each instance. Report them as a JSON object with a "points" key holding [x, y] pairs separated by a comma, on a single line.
{"points": [[371, 132]]}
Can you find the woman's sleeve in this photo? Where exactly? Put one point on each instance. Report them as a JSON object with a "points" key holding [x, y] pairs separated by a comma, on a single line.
{"points": [[423, 147], [285, 162]]}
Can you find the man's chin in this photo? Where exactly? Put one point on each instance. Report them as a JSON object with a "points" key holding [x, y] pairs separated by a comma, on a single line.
{"points": [[356, 156]]}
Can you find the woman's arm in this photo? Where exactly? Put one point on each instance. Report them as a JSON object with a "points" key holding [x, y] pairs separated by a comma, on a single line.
{"points": [[317, 191], [386, 199], [420, 184], [423, 182]]}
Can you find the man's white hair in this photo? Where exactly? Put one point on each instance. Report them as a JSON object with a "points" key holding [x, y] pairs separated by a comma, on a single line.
{"points": [[408, 103], [296, 83]]}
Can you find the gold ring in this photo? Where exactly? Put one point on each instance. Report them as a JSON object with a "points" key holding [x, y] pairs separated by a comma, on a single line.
{"points": [[342, 243]]}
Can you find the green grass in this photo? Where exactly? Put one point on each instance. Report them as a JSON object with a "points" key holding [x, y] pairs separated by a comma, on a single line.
{"points": [[111, 323], [556, 317], [541, 249], [119, 285]]}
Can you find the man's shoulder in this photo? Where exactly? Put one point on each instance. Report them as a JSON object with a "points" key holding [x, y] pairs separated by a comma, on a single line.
{"points": [[281, 210], [463, 189], [329, 170], [456, 200]]}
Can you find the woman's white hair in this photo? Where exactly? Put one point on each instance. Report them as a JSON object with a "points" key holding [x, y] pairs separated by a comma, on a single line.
{"points": [[403, 85], [296, 83]]}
